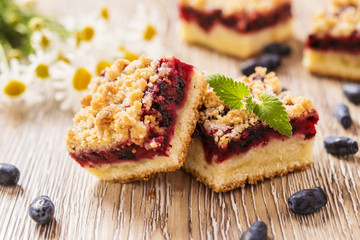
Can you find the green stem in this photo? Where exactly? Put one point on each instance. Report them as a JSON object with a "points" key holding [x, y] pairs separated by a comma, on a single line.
{"points": [[3, 58]]}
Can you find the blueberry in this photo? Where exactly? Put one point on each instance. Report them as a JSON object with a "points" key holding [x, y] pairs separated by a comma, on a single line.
{"points": [[257, 231], [125, 154], [352, 92], [307, 201], [281, 49], [340, 146], [270, 61], [42, 210], [9, 174], [341, 112]]}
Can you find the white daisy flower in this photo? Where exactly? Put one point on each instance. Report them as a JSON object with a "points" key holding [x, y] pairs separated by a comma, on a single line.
{"points": [[17, 87], [72, 80], [87, 29], [147, 29], [41, 68], [45, 41]]}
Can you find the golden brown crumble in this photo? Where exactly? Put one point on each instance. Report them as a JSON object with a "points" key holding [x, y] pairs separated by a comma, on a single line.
{"points": [[111, 113], [229, 7], [218, 118], [342, 18]]}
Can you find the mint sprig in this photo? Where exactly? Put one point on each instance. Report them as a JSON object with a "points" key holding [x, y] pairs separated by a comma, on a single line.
{"points": [[235, 94], [228, 90]]}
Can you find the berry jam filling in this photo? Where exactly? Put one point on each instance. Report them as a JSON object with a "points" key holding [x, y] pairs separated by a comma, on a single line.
{"points": [[350, 44], [252, 137], [168, 94], [241, 22]]}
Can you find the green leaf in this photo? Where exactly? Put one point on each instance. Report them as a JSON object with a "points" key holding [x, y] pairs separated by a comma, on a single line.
{"points": [[250, 104], [272, 112], [230, 92]]}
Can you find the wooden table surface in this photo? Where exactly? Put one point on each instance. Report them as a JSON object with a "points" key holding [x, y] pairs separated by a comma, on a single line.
{"points": [[180, 207]]}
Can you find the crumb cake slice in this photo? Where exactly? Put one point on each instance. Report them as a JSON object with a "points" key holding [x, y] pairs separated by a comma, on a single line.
{"points": [[138, 120], [333, 47], [240, 28], [232, 147]]}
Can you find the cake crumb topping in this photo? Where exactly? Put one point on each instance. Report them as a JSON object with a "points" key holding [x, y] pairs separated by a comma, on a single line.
{"points": [[229, 7], [342, 18], [113, 113], [227, 124]]}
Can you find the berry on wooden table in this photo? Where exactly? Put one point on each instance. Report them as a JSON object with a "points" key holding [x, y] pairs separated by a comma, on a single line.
{"points": [[270, 61], [340, 146], [342, 114], [9, 174], [257, 231], [281, 49], [42, 210], [307, 201], [352, 92]]}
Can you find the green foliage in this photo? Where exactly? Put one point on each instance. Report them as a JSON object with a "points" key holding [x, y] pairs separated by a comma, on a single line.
{"points": [[228, 90], [15, 29], [234, 94]]}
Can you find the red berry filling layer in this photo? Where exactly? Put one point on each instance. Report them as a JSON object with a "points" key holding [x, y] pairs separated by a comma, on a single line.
{"points": [[242, 22], [168, 95], [252, 137], [350, 44]]}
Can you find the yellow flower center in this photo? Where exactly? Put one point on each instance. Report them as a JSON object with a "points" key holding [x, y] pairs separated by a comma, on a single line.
{"points": [[62, 57], [36, 24], [130, 56], [14, 53], [87, 33], [44, 42], [122, 48], [78, 38], [81, 79], [14, 18], [42, 71], [14, 88], [149, 32], [104, 13], [101, 66]]}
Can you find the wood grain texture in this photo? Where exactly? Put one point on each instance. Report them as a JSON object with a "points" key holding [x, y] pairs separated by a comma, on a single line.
{"points": [[180, 207]]}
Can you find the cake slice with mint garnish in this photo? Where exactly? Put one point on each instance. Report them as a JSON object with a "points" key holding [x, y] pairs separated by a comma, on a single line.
{"points": [[250, 130]]}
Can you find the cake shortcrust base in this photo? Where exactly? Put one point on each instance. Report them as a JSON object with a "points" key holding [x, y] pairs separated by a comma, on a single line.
{"points": [[237, 44], [143, 169], [333, 64], [276, 158]]}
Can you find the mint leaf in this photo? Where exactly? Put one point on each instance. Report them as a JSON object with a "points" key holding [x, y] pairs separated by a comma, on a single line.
{"points": [[230, 92], [272, 112], [250, 104]]}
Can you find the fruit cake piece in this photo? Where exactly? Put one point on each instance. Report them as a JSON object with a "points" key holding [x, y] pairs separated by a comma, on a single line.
{"points": [[240, 28], [333, 47], [232, 147], [138, 120]]}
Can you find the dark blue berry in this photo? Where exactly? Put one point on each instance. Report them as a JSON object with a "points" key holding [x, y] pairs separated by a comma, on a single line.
{"points": [[281, 49], [307, 201], [341, 112], [270, 61], [125, 154], [340, 146], [42, 210], [9, 174], [352, 92], [257, 231]]}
